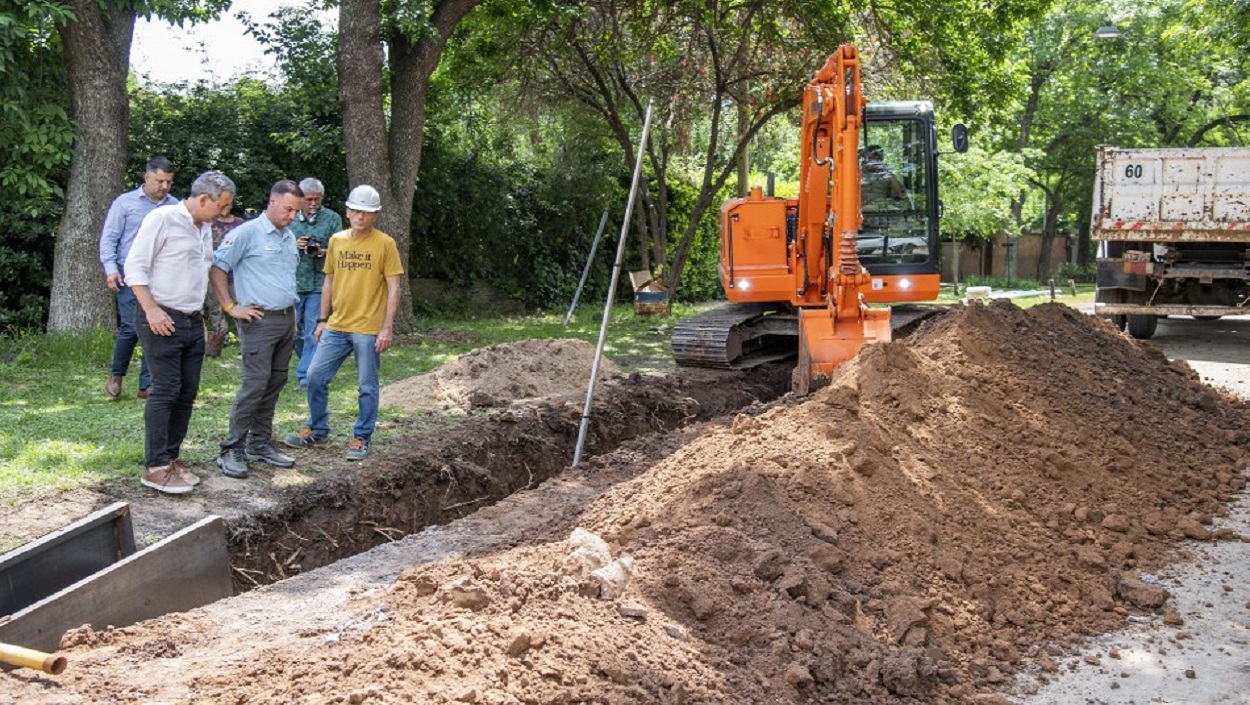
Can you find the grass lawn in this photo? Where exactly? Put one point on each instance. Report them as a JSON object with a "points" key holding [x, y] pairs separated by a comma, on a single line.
{"points": [[58, 432], [1063, 295]]}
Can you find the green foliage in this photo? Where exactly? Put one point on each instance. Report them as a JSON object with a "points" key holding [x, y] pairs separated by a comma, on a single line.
{"points": [[978, 189], [253, 132], [699, 282], [512, 205], [26, 259], [36, 134], [305, 52], [1078, 273], [36, 141], [1176, 76]]}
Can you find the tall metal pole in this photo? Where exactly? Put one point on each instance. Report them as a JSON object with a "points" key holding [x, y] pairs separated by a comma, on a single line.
{"points": [[586, 270], [616, 275]]}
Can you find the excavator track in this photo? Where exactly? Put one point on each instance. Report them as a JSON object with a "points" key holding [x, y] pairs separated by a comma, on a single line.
{"points": [[736, 336]]}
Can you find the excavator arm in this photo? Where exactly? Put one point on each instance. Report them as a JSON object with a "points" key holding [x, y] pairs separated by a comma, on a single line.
{"points": [[834, 321]]}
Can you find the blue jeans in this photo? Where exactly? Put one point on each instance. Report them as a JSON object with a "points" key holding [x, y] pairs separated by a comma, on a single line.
{"points": [[124, 346], [307, 311], [333, 349]]}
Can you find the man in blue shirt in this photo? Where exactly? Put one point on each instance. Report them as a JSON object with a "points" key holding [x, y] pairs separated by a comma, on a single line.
{"points": [[261, 255], [121, 224]]}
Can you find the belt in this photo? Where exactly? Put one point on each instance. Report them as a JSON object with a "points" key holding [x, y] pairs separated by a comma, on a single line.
{"points": [[289, 310], [176, 312]]}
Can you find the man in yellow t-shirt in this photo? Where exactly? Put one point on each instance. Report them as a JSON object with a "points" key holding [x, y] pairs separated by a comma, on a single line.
{"points": [[359, 299]]}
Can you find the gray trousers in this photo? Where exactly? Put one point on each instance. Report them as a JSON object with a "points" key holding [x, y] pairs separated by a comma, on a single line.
{"points": [[265, 346]]}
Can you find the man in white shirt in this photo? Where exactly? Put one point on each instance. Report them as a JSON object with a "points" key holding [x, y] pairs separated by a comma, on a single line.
{"points": [[167, 269]]}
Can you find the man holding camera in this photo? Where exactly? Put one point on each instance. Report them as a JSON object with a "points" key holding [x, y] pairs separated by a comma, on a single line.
{"points": [[262, 256], [312, 229]]}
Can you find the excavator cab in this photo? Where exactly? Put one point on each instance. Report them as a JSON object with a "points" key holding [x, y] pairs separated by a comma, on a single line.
{"points": [[898, 239]]}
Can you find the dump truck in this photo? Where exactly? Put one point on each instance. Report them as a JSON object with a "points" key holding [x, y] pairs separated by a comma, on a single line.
{"points": [[1173, 233]]}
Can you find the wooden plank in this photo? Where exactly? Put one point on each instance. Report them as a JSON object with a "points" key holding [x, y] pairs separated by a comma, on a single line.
{"points": [[186, 570], [60, 559]]}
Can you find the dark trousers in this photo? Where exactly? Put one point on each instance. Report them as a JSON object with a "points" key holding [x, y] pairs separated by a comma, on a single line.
{"points": [[265, 346], [175, 362]]}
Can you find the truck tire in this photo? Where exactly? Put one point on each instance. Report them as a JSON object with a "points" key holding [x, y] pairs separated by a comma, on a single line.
{"points": [[1142, 327]]}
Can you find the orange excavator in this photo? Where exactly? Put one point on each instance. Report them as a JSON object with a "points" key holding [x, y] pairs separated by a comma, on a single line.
{"points": [[801, 273]]}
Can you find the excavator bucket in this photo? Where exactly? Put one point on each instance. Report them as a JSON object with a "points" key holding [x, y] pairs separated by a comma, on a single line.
{"points": [[826, 342]]}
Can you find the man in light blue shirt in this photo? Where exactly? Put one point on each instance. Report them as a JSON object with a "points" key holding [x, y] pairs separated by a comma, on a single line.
{"points": [[121, 224], [262, 256]]}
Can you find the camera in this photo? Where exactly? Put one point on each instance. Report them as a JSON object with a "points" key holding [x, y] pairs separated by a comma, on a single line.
{"points": [[314, 248]]}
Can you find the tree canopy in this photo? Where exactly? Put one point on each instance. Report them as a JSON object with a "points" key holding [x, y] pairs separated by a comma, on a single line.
{"points": [[499, 130]]}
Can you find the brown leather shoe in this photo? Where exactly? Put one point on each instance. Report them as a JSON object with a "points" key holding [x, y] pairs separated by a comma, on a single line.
{"points": [[185, 472], [113, 388], [142, 394], [165, 479]]}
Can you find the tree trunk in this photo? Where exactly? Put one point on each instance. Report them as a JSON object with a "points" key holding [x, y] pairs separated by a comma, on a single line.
{"points": [[388, 158], [1050, 230], [1082, 243], [97, 59]]}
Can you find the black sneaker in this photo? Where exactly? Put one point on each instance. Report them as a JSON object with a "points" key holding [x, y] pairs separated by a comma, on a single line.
{"points": [[270, 454], [233, 463]]}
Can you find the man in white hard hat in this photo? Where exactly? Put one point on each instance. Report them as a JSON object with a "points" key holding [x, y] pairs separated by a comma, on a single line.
{"points": [[359, 298]]}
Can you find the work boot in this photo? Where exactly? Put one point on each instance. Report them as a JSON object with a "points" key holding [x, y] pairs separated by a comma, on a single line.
{"points": [[113, 388], [268, 453], [233, 463], [165, 479], [182, 469]]}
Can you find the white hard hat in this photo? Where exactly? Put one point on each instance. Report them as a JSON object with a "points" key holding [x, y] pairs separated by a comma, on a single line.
{"points": [[364, 198]]}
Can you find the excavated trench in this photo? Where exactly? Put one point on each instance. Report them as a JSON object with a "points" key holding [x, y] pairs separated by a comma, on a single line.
{"points": [[436, 477]]}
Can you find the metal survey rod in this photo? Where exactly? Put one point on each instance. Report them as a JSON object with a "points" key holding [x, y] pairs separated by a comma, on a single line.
{"points": [[616, 275], [590, 258], [29, 658]]}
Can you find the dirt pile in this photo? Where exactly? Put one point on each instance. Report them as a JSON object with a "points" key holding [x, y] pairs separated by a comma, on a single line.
{"points": [[951, 507], [500, 374]]}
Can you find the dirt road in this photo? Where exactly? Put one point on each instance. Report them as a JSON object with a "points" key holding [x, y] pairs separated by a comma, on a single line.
{"points": [[1198, 650]]}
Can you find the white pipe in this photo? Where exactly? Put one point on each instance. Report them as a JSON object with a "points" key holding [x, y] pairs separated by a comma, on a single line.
{"points": [[616, 275], [590, 258]]}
